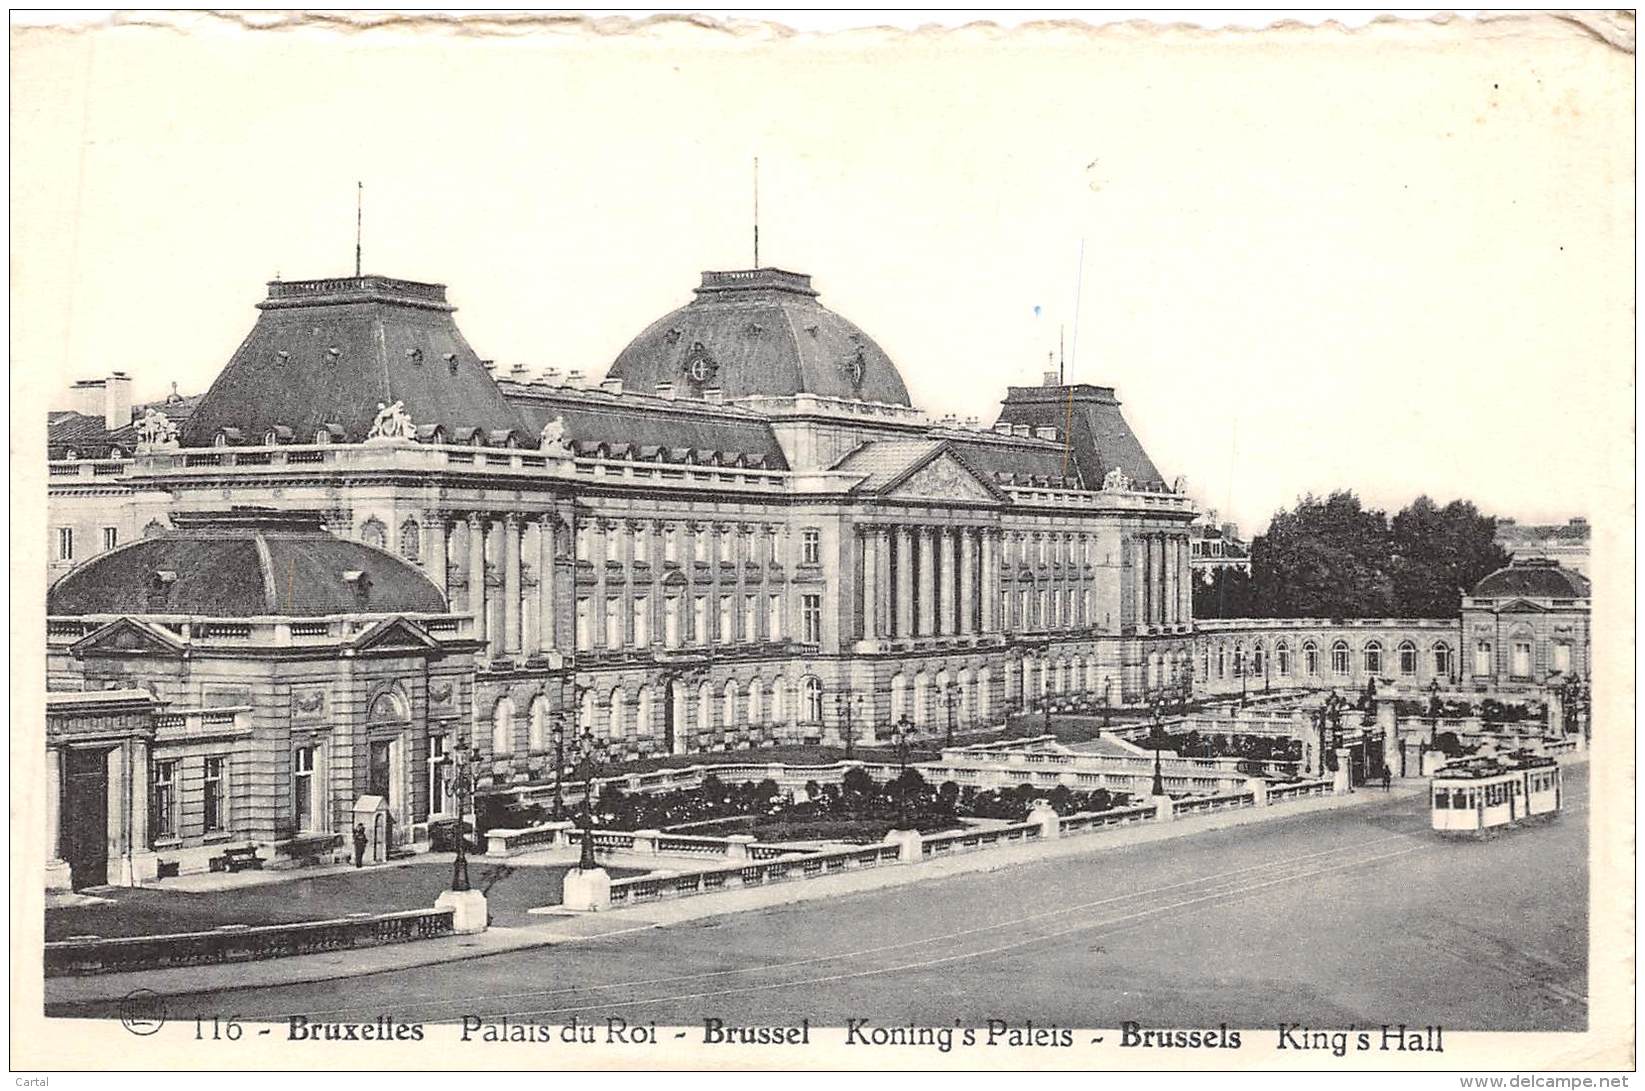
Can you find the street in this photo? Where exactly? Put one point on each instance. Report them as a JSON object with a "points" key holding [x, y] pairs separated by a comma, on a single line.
{"points": [[1358, 916]]}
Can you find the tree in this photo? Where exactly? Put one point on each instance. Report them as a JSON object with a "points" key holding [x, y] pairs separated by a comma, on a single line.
{"points": [[1326, 558], [1438, 553], [1229, 593]]}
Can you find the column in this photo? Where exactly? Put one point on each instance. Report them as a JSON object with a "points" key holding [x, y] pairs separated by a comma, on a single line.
{"points": [[883, 616], [438, 558], [632, 529], [905, 582], [477, 573], [928, 581], [598, 547], [1139, 582], [547, 572], [869, 538], [716, 543], [57, 870], [946, 601], [1185, 581], [1170, 545], [970, 583], [511, 583], [990, 581]]}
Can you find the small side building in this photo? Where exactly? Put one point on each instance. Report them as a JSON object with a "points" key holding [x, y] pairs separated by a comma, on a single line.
{"points": [[242, 679], [1527, 624]]}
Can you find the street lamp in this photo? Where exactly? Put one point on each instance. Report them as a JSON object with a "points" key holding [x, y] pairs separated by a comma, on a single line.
{"points": [[1158, 716], [1241, 663], [843, 703], [1433, 712], [951, 694], [1105, 706], [900, 737], [588, 765], [461, 771]]}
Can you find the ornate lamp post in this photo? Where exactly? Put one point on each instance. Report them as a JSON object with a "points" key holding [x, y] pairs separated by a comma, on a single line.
{"points": [[558, 732], [1433, 712], [900, 737], [588, 765], [1157, 714], [843, 704], [951, 694], [461, 771]]}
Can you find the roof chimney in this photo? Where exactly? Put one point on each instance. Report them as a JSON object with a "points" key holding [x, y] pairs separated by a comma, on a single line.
{"points": [[1046, 431], [550, 375], [489, 365], [517, 372], [1020, 430], [714, 395], [1052, 379], [611, 386], [117, 401], [1002, 427], [665, 390]]}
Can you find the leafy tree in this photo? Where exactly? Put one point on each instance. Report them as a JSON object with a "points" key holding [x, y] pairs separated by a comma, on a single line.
{"points": [[1438, 553], [1325, 558], [1230, 593]]}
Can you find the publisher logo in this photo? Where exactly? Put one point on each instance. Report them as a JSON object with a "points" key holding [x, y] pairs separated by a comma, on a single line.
{"points": [[142, 1011]]}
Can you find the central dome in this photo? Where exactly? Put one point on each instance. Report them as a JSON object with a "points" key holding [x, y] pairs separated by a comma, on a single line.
{"points": [[759, 332]]}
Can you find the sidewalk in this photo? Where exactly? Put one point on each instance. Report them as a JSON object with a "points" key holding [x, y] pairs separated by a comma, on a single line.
{"points": [[560, 926]]}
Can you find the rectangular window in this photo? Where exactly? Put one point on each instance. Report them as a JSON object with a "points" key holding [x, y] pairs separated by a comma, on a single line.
{"points": [[671, 544], [774, 617], [811, 618], [1562, 657], [302, 787], [163, 804], [811, 546], [582, 543], [671, 621], [216, 793], [751, 618], [614, 544], [642, 548], [111, 538], [699, 620], [436, 774], [65, 543], [613, 623], [1522, 659], [728, 547], [642, 622], [585, 624], [699, 545], [726, 633], [1024, 618]]}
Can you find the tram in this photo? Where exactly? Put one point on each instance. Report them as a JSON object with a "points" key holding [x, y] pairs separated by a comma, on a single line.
{"points": [[1478, 796]]}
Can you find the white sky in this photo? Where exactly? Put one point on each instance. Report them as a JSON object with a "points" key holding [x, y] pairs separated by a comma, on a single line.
{"points": [[1398, 261]]}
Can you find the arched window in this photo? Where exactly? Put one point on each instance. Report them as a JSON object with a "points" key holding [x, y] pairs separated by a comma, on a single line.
{"points": [[642, 712], [1373, 658], [962, 707], [1310, 659], [779, 701], [218, 440], [756, 702], [1482, 658], [1258, 667], [322, 437], [614, 714], [1028, 673], [899, 696], [411, 540], [1205, 664], [1239, 660], [1222, 661], [1407, 657], [1442, 659], [374, 533], [728, 705], [922, 699], [984, 681], [1339, 657], [502, 727], [812, 691], [539, 723], [585, 713], [1282, 659]]}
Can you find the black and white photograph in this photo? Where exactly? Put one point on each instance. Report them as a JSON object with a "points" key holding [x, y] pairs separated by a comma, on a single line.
{"points": [[910, 541]]}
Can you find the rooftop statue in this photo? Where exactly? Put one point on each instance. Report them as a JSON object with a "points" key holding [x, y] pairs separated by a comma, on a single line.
{"points": [[392, 423]]}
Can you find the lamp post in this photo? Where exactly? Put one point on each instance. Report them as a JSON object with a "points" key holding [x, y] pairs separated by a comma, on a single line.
{"points": [[951, 693], [1158, 716], [461, 770], [843, 703], [558, 732], [1105, 707], [1433, 712], [587, 767], [901, 739], [1241, 663]]}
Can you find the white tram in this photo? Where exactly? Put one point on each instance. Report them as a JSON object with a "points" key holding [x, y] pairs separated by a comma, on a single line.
{"points": [[1478, 795]]}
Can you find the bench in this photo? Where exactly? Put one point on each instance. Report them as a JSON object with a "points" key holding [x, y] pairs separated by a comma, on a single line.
{"points": [[237, 859]]}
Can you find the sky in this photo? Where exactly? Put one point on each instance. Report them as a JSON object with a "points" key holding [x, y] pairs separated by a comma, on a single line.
{"points": [[1397, 260]]}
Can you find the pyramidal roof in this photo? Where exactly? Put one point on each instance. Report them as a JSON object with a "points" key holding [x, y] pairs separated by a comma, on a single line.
{"points": [[326, 354]]}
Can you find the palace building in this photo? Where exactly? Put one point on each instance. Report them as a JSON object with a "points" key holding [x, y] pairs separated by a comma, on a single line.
{"points": [[745, 534]]}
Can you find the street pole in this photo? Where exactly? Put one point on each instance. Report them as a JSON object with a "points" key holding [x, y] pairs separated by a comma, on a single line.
{"points": [[459, 866], [559, 769], [586, 861], [902, 768], [950, 694], [1159, 739]]}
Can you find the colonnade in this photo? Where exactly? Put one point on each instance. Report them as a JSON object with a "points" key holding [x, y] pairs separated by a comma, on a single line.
{"points": [[1162, 585], [522, 538], [928, 581]]}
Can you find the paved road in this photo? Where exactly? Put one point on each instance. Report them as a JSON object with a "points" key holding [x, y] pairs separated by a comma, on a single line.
{"points": [[1354, 916]]}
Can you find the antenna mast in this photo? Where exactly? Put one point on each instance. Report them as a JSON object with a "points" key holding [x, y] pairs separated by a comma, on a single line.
{"points": [[756, 212], [359, 200], [1079, 281]]}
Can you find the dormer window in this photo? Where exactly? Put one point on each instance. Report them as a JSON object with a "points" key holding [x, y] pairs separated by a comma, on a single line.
{"points": [[414, 354], [159, 588], [116, 452], [322, 437], [360, 583], [72, 452], [270, 439], [220, 439]]}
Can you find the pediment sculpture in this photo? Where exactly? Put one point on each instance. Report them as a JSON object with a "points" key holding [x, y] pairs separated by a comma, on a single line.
{"points": [[393, 422], [553, 438], [156, 430]]}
